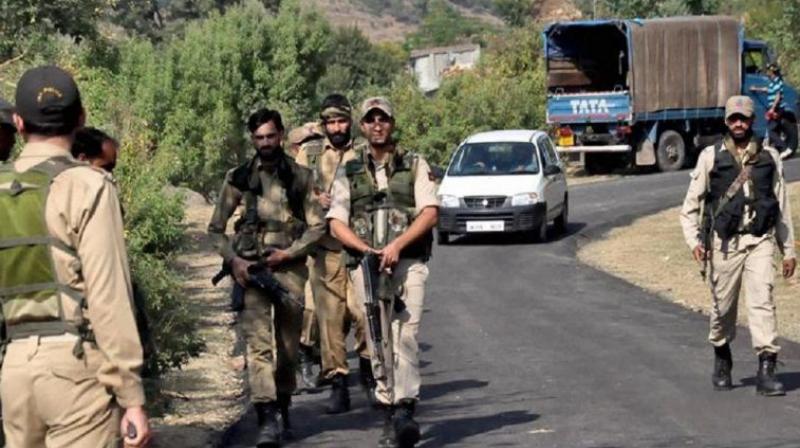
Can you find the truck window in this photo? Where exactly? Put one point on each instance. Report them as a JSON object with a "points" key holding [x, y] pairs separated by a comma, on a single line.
{"points": [[754, 62]]}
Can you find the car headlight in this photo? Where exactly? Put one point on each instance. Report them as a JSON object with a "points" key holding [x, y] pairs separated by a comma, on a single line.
{"points": [[449, 201], [524, 199]]}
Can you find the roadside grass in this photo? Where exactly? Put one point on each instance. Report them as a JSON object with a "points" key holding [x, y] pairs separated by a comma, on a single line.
{"points": [[652, 254]]}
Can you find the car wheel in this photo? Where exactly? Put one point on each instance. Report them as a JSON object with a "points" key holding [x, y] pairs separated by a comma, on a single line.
{"points": [[541, 232], [671, 152], [443, 238], [562, 220]]}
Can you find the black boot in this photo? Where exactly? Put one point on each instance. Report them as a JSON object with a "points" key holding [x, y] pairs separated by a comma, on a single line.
{"points": [[284, 401], [367, 379], [388, 438], [766, 383], [269, 435], [405, 428], [306, 366], [723, 363], [339, 400]]}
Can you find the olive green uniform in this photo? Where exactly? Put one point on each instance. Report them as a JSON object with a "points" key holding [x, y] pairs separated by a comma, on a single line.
{"points": [[53, 395], [335, 302], [408, 176], [272, 333], [747, 261]]}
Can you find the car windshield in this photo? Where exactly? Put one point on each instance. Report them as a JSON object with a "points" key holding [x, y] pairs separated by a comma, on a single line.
{"points": [[493, 159]]}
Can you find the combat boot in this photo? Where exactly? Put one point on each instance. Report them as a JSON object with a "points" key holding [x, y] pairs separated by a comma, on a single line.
{"points": [[269, 434], [284, 401], [766, 382], [307, 368], [723, 363], [388, 438], [406, 429], [367, 379], [339, 400]]}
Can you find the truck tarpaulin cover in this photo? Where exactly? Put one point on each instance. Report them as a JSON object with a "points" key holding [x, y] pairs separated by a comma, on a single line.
{"points": [[684, 63]]}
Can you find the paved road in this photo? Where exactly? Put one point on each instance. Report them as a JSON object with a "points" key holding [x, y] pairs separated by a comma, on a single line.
{"points": [[524, 346]]}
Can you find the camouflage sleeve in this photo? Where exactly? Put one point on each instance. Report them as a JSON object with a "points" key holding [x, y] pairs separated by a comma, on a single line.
{"points": [[229, 198], [316, 227]]}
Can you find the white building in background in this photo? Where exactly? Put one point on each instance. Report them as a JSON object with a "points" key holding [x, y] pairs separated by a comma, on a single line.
{"points": [[430, 65]]}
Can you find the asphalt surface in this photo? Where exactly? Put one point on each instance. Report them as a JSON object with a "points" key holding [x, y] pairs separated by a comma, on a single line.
{"points": [[523, 346]]}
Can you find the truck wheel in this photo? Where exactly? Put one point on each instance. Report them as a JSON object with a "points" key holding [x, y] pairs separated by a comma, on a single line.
{"points": [[671, 152]]}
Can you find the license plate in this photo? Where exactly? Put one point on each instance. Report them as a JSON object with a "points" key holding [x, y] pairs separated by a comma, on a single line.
{"points": [[485, 226], [566, 141]]}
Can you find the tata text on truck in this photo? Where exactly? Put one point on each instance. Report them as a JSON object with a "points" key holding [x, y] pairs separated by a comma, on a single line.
{"points": [[652, 92]]}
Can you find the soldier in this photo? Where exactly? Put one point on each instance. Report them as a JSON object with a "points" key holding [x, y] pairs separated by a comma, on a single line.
{"points": [[74, 356], [384, 202], [7, 130], [97, 148], [735, 212], [308, 134], [277, 192], [335, 303]]}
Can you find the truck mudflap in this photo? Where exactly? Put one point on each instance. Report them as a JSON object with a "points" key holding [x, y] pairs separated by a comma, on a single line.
{"points": [[585, 108]]}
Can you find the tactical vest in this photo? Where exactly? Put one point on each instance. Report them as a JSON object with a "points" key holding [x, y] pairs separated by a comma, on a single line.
{"points": [[762, 201], [397, 202], [29, 288]]}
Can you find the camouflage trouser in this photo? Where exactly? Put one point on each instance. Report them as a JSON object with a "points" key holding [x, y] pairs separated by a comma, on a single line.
{"points": [[272, 335], [337, 312], [400, 377]]}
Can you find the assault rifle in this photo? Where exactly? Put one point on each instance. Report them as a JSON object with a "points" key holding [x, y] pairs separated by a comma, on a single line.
{"points": [[260, 277], [369, 268]]}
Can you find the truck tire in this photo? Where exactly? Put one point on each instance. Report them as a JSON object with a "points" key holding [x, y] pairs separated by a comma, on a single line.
{"points": [[671, 152]]}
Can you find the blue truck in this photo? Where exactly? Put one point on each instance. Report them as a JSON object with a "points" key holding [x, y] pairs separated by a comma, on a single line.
{"points": [[652, 92]]}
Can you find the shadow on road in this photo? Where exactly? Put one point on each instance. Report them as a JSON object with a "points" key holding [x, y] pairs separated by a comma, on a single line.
{"points": [[454, 430], [433, 391], [513, 239], [790, 380]]}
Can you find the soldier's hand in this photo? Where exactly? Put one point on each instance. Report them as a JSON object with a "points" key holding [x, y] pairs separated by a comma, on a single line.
{"points": [[277, 257], [135, 418], [325, 200], [239, 267], [789, 266], [699, 253], [390, 255]]}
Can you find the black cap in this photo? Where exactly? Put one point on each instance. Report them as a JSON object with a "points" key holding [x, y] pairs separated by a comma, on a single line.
{"points": [[6, 112], [48, 96]]}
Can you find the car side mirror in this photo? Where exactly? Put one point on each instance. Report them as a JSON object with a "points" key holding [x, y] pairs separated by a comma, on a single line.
{"points": [[437, 173], [552, 170]]}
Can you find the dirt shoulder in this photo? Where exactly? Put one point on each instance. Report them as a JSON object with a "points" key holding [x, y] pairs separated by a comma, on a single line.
{"points": [[652, 254], [206, 395]]}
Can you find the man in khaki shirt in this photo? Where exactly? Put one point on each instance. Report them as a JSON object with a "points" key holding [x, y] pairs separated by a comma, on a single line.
{"points": [[400, 232], [336, 306], [290, 223], [749, 217], [65, 390]]}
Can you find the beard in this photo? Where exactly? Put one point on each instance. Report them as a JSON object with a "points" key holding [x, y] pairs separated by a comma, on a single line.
{"points": [[269, 153], [339, 139], [741, 138]]}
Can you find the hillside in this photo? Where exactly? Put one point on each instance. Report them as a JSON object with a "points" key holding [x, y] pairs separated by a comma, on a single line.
{"points": [[392, 20]]}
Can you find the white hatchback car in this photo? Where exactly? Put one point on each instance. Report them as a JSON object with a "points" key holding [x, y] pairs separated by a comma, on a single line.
{"points": [[503, 181]]}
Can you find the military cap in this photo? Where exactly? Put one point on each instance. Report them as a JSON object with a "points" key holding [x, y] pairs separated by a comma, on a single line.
{"points": [[48, 96]]}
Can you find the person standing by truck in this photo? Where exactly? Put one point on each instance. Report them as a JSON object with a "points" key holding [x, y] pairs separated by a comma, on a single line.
{"points": [[735, 216]]}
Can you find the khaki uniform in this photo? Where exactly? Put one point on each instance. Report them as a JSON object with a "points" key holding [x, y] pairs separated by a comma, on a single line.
{"points": [[335, 302], [402, 380], [272, 333], [49, 396], [749, 259]]}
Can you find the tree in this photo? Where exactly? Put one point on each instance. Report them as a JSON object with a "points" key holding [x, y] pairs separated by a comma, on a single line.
{"points": [[444, 25], [514, 12]]}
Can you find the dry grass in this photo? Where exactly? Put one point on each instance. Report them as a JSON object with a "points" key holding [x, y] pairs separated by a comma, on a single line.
{"points": [[652, 254], [205, 396]]}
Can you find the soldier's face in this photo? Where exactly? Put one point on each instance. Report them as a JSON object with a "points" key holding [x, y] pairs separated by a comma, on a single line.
{"points": [[337, 129], [739, 126], [7, 139], [377, 128], [267, 140]]}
